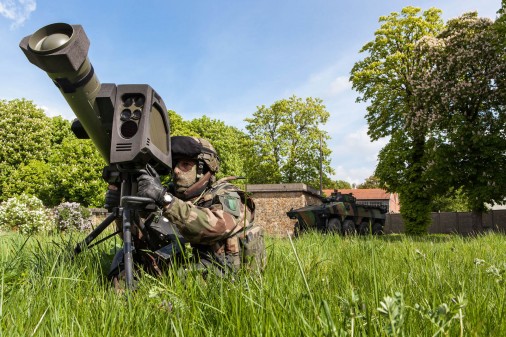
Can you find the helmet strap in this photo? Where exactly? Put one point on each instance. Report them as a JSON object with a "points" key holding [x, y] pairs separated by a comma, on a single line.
{"points": [[200, 169], [197, 188]]}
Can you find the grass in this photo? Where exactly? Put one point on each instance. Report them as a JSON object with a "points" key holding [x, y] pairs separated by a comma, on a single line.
{"points": [[315, 285]]}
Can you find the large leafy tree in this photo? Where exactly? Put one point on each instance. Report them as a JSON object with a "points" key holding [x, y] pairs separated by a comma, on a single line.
{"points": [[384, 79], [76, 173], [371, 182], [230, 144], [178, 126], [40, 156], [287, 142], [25, 136], [337, 184], [464, 96]]}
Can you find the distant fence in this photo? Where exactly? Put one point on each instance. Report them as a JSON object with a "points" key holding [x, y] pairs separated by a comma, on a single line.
{"points": [[452, 222]]}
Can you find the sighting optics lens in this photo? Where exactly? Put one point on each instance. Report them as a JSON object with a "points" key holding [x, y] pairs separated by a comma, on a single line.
{"points": [[139, 101], [136, 114], [125, 115]]}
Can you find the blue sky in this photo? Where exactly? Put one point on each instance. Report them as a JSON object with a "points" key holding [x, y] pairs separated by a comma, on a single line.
{"points": [[221, 58]]}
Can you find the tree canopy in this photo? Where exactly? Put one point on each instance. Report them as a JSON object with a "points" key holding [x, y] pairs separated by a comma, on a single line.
{"points": [[464, 95], [287, 142], [41, 156], [384, 78]]}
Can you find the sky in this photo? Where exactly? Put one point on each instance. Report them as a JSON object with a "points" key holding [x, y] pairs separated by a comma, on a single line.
{"points": [[221, 58]]}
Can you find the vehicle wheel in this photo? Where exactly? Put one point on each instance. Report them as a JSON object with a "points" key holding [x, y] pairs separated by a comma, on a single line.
{"points": [[364, 229], [296, 230], [334, 226], [349, 227], [377, 229]]}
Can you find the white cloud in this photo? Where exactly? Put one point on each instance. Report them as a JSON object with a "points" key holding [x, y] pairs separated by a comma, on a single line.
{"points": [[17, 10], [326, 83], [339, 84], [354, 156]]}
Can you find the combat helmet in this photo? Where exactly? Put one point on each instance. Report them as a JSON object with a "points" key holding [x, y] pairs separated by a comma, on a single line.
{"points": [[199, 149]]}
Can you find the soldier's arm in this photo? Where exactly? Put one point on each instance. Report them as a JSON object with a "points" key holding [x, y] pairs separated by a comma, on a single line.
{"points": [[199, 224]]}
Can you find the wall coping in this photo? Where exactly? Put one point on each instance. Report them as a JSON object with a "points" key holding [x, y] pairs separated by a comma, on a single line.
{"points": [[293, 187]]}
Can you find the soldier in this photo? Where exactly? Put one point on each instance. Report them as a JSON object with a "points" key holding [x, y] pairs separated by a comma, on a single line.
{"points": [[216, 217]]}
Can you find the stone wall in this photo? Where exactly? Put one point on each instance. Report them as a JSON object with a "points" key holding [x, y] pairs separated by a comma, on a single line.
{"points": [[273, 201]]}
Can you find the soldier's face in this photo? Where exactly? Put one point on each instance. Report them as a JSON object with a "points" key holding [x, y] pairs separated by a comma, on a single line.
{"points": [[185, 174], [185, 165]]}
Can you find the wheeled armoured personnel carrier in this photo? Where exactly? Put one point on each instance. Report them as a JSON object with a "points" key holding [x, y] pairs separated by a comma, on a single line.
{"points": [[340, 214]]}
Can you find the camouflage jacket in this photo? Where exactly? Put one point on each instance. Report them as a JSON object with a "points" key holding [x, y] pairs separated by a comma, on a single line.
{"points": [[217, 214], [220, 225]]}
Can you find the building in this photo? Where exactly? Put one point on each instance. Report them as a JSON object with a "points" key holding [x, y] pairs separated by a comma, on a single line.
{"points": [[373, 197]]}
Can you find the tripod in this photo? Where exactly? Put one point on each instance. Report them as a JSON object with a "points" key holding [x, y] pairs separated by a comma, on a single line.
{"points": [[128, 211]]}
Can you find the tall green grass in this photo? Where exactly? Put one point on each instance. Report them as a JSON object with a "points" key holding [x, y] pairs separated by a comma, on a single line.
{"points": [[315, 285]]}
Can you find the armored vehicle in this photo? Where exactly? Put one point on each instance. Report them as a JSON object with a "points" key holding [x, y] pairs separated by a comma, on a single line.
{"points": [[340, 214]]}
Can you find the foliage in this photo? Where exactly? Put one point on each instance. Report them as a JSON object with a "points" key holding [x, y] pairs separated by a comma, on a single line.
{"points": [[229, 142], [25, 214], [371, 182], [384, 78], [453, 201], [72, 216], [26, 132], [336, 184], [500, 23], [25, 136], [33, 178], [77, 174], [430, 286], [464, 95], [180, 127], [287, 142], [40, 156], [60, 130]]}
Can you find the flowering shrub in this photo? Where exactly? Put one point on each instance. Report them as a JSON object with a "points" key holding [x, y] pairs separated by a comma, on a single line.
{"points": [[26, 214], [72, 216]]}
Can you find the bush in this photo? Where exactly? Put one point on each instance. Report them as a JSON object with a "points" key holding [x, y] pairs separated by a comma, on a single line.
{"points": [[72, 216], [25, 214]]}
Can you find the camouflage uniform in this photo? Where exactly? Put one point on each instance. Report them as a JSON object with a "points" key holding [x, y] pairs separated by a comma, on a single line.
{"points": [[220, 227]]}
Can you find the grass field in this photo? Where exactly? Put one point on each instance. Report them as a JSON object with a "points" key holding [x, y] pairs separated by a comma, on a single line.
{"points": [[315, 285]]}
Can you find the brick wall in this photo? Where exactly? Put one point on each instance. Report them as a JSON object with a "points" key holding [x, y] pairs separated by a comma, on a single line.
{"points": [[273, 201]]}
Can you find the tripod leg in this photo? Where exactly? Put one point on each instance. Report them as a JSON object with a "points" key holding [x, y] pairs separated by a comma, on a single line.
{"points": [[96, 232], [127, 248]]}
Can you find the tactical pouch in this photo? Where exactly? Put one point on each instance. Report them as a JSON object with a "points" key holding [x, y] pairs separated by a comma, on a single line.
{"points": [[253, 255]]}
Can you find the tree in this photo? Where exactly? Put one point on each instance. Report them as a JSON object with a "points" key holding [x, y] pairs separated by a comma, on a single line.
{"points": [[32, 178], [453, 201], [384, 79], [25, 136], [464, 96], [371, 182], [76, 174], [336, 184], [178, 126], [287, 142], [229, 142]]}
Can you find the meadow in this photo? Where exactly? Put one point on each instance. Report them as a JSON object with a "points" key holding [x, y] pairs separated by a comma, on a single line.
{"points": [[314, 285]]}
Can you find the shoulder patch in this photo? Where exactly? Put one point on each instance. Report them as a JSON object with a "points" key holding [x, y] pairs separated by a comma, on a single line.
{"points": [[231, 203]]}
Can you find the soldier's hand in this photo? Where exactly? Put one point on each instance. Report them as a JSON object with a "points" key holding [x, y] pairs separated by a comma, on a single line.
{"points": [[112, 197], [149, 186]]}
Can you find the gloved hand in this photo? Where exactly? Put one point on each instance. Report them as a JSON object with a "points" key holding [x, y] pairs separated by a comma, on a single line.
{"points": [[112, 197], [149, 186]]}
